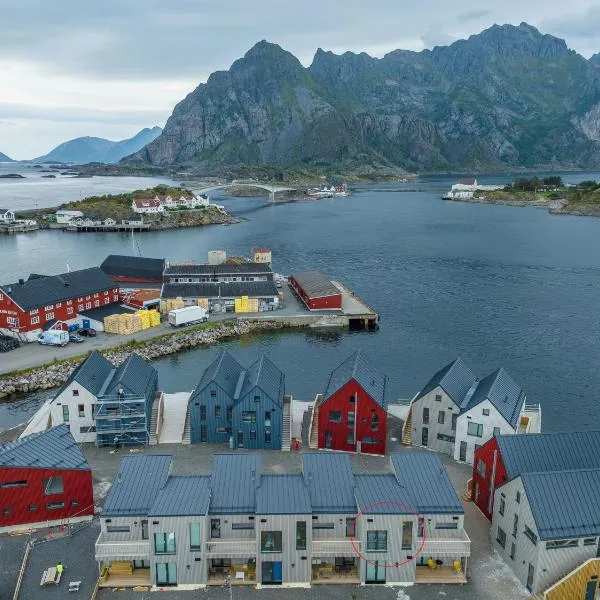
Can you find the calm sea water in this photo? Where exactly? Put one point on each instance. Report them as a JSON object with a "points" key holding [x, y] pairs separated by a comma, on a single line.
{"points": [[499, 286]]}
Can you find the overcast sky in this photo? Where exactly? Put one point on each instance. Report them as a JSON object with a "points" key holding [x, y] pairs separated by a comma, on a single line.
{"points": [[109, 68]]}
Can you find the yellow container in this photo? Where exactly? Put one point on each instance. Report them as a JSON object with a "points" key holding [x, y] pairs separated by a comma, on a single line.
{"points": [[253, 305]]}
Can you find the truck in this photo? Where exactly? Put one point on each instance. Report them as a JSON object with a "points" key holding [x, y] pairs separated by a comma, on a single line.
{"points": [[54, 337], [187, 316]]}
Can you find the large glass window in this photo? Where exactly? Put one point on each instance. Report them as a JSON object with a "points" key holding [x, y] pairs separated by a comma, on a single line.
{"points": [[300, 535], [441, 417], [335, 416], [54, 485], [195, 541], [377, 540], [407, 532], [454, 421], [65, 410], [249, 416], [475, 429], [164, 543], [425, 416], [215, 528], [270, 541], [529, 534]]}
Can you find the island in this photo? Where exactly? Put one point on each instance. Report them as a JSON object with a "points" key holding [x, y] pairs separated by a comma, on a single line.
{"points": [[12, 176]]}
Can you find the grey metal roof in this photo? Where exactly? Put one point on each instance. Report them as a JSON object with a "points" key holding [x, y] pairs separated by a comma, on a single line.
{"points": [[537, 452], [330, 482], [92, 373], [283, 495], [182, 495], [42, 291], [428, 485], [503, 392], [233, 481], [382, 495], [564, 503], [135, 486], [224, 371], [315, 284], [51, 449], [99, 313], [249, 268], [135, 376], [134, 266], [357, 367], [265, 375], [456, 379], [223, 289]]}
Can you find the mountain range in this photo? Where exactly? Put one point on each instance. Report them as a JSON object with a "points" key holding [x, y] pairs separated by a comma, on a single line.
{"points": [[4, 158], [84, 150], [509, 97]]}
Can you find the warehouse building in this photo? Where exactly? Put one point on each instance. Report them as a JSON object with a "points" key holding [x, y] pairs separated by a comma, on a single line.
{"points": [[202, 273], [316, 291], [134, 269]]}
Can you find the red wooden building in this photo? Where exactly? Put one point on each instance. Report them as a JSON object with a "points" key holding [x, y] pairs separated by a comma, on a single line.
{"points": [[352, 413], [44, 481], [316, 291], [26, 307], [505, 457]]}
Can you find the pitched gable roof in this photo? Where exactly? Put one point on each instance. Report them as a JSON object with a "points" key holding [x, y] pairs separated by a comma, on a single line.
{"points": [[539, 452], [233, 481], [564, 504], [283, 495], [358, 368], [91, 374], [265, 375], [503, 392], [182, 495], [224, 371], [135, 375], [456, 379], [383, 495], [51, 449], [133, 266], [330, 481]]}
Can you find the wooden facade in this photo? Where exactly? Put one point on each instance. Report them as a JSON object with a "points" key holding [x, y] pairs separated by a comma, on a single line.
{"points": [[582, 584], [489, 473]]}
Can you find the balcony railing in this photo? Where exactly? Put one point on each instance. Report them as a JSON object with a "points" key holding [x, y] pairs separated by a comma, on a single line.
{"points": [[333, 547], [115, 550], [231, 548], [447, 542]]}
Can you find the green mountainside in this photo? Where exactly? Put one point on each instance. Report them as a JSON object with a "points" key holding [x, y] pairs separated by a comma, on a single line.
{"points": [[509, 97]]}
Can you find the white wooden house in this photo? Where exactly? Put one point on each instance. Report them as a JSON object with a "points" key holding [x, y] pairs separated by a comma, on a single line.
{"points": [[6, 216]]}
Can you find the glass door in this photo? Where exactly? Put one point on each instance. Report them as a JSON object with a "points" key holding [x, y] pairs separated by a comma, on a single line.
{"points": [[166, 574], [272, 572], [375, 572], [425, 436]]}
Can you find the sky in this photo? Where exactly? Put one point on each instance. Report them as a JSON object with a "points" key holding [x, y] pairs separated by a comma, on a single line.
{"points": [[109, 68]]}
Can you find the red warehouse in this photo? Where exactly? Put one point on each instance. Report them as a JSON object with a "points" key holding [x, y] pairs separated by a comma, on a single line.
{"points": [[29, 306], [44, 481], [351, 415], [505, 457], [316, 291]]}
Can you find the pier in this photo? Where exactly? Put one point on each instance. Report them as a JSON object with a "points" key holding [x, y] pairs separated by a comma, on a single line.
{"points": [[116, 227], [13, 228]]}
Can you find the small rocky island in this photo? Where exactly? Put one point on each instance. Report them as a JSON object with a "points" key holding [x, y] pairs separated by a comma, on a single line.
{"points": [[12, 176]]}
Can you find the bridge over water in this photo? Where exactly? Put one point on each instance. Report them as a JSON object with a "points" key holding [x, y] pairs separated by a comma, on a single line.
{"points": [[270, 188]]}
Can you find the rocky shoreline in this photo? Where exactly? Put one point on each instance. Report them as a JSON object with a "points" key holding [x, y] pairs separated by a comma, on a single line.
{"points": [[54, 375]]}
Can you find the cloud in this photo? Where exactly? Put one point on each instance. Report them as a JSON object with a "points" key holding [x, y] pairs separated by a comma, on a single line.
{"points": [[474, 15]]}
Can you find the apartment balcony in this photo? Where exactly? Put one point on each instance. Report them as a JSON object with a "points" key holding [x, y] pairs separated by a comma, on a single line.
{"points": [[446, 542], [531, 419], [335, 547], [110, 550], [231, 548]]}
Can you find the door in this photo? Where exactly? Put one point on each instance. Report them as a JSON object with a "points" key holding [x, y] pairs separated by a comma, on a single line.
{"points": [[203, 433], [375, 572], [144, 530], [272, 572], [590, 589], [166, 574], [240, 439], [425, 436], [530, 575], [463, 451], [328, 439]]}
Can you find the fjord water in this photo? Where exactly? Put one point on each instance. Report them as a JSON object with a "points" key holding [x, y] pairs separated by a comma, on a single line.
{"points": [[499, 286]]}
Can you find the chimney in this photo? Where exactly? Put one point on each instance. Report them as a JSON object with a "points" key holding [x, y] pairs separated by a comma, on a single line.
{"points": [[21, 282]]}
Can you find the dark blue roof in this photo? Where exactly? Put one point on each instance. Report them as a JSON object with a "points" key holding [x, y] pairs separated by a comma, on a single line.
{"points": [[456, 379], [182, 495], [357, 367], [265, 375], [283, 495], [565, 504], [428, 485], [92, 373], [503, 392], [224, 371], [51, 449], [330, 482], [135, 376], [234, 480], [382, 495], [136, 484], [537, 452]]}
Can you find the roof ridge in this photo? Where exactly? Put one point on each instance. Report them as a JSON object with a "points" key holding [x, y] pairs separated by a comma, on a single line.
{"points": [[559, 471]]}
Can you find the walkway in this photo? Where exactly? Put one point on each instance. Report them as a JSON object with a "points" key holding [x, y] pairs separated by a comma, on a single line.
{"points": [[175, 408]]}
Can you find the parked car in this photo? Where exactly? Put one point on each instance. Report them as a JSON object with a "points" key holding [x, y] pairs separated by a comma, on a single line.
{"points": [[88, 332], [77, 339]]}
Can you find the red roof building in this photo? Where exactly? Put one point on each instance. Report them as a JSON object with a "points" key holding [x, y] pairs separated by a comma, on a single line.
{"points": [[351, 415], [44, 481], [316, 291]]}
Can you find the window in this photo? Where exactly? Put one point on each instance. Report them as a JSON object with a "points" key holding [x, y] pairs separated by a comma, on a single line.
{"points": [[7, 511], [501, 537], [203, 412], [513, 550], [515, 525], [118, 529], [441, 417], [256, 398], [425, 416], [249, 416], [267, 436], [229, 414], [267, 418], [215, 528], [352, 399], [589, 541], [80, 307], [407, 533], [237, 526], [350, 418], [350, 437], [55, 505], [475, 429], [480, 467], [65, 410], [81, 410], [529, 534], [93, 411], [446, 525], [96, 303], [50, 307], [486, 412], [213, 393], [32, 508], [323, 526], [53, 485], [557, 544], [195, 541], [31, 312], [374, 421], [335, 416], [518, 497], [35, 320], [454, 420], [217, 411], [13, 484], [69, 310], [502, 505], [75, 392], [49, 316], [350, 526], [300, 535], [445, 438], [438, 397], [270, 541], [253, 434], [164, 543], [377, 540], [496, 431], [58, 304]]}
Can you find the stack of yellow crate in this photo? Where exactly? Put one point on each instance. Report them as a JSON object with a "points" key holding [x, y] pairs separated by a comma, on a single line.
{"points": [[241, 304], [253, 305], [154, 318], [202, 302], [168, 305], [111, 324], [129, 324], [144, 316]]}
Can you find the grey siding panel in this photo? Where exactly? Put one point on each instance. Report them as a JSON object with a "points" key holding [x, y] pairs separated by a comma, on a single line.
{"points": [[227, 531], [224, 401], [264, 404]]}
